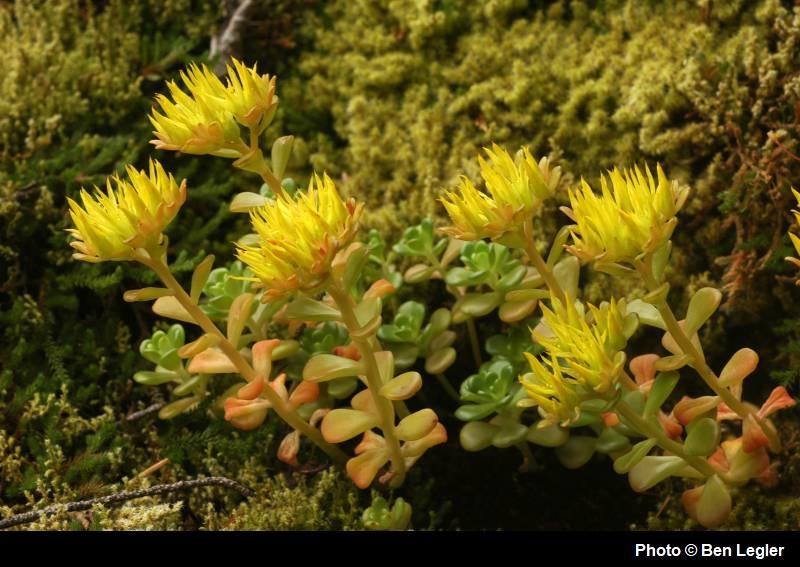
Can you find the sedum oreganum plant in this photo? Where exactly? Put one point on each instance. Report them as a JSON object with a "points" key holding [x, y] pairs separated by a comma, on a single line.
{"points": [[308, 322], [301, 265], [589, 396]]}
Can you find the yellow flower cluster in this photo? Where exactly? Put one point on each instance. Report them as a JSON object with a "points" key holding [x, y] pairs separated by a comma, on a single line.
{"points": [[590, 350], [206, 116], [131, 214], [554, 393], [516, 190], [794, 238], [298, 238], [632, 217], [584, 356]]}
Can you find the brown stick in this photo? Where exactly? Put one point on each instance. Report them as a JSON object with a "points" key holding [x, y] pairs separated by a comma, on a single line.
{"points": [[160, 489]]}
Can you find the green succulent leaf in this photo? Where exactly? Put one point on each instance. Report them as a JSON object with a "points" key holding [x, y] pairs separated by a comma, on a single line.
{"points": [[304, 308], [577, 451], [487, 391], [406, 326], [478, 304], [439, 361], [647, 313], [611, 441], [323, 338], [512, 345], [417, 241], [630, 459], [379, 516], [405, 354], [323, 367], [509, 433], [702, 306], [567, 273], [702, 437], [222, 286], [663, 386], [551, 435], [162, 348], [653, 469], [477, 435]]}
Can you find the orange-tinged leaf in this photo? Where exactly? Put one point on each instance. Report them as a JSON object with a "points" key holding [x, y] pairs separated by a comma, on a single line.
{"points": [[714, 504], [364, 401], [415, 449], [363, 468], [246, 414], [251, 390], [262, 356], [168, 306], [689, 499], [688, 408], [379, 289], [211, 361], [402, 387], [779, 399], [753, 436], [196, 347], [643, 369], [417, 425], [304, 393], [290, 446], [371, 440], [739, 367], [343, 424], [670, 425], [238, 315], [328, 367]]}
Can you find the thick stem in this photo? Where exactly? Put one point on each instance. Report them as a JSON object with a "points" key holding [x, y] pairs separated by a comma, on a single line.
{"points": [[654, 432], [264, 171], [628, 382], [528, 460], [273, 182], [447, 387], [401, 408], [699, 363], [540, 265], [280, 406], [384, 406], [472, 330]]}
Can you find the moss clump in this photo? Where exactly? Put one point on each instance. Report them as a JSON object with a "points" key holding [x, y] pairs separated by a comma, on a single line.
{"points": [[325, 501], [414, 89], [68, 64]]}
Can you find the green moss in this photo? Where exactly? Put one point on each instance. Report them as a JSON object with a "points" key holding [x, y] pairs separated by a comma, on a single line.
{"points": [[413, 90], [325, 501]]}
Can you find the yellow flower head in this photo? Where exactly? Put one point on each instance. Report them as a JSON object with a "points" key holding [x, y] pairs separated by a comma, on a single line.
{"points": [[516, 190], [131, 214], [590, 350], [205, 118], [197, 121], [251, 97], [549, 388], [794, 238], [299, 238], [632, 217]]}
